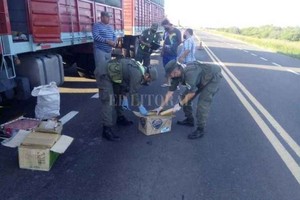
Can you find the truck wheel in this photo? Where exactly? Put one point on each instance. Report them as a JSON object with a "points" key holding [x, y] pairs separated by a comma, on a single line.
{"points": [[9, 94], [85, 65]]}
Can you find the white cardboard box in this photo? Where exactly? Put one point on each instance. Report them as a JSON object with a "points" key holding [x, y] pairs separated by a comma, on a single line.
{"points": [[154, 124]]}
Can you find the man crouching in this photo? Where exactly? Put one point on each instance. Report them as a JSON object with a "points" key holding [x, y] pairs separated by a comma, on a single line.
{"points": [[200, 79]]}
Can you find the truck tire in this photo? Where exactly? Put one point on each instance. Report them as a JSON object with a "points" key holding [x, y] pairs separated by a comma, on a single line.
{"points": [[9, 94], [85, 65]]}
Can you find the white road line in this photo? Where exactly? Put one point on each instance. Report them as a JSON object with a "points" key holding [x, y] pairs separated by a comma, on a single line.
{"points": [[295, 147], [289, 70], [253, 54], [276, 64], [263, 58], [68, 117], [280, 149], [95, 96], [246, 51]]}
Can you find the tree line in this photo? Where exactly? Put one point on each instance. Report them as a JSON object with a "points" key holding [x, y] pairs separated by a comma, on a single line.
{"points": [[267, 31]]}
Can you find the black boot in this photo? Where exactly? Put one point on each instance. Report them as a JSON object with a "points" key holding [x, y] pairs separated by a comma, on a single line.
{"points": [[186, 122], [109, 135], [198, 133], [121, 120]]}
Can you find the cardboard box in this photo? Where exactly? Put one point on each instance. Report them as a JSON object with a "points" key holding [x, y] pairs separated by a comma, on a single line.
{"points": [[40, 150], [22, 123], [50, 126], [154, 124]]}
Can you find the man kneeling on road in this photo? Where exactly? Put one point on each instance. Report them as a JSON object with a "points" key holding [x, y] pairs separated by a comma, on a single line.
{"points": [[124, 75], [199, 79]]}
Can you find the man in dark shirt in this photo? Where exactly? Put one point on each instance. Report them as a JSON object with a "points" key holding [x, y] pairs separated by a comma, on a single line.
{"points": [[199, 79], [172, 39]]}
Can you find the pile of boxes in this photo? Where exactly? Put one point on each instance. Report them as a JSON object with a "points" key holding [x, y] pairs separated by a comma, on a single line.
{"points": [[42, 142], [42, 145]]}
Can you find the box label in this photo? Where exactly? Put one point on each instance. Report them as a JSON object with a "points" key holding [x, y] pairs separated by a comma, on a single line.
{"points": [[157, 123]]}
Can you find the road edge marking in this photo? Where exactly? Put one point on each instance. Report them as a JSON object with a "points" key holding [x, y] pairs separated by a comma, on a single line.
{"points": [[279, 148]]}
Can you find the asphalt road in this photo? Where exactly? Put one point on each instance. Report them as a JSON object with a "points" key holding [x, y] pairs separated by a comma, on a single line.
{"points": [[250, 149]]}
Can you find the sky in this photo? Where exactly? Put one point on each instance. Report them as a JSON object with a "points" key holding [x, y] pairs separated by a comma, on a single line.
{"points": [[227, 13]]}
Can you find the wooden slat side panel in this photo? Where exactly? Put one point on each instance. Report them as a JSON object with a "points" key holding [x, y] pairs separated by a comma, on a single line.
{"points": [[128, 9], [157, 13], [68, 16], [116, 15], [147, 14], [86, 15], [44, 20], [4, 18], [118, 19]]}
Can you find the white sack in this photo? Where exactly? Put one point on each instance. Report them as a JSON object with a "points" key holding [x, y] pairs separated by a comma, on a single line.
{"points": [[48, 101]]}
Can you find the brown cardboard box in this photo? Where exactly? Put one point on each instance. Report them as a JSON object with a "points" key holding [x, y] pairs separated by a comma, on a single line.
{"points": [[154, 124], [50, 126], [22, 123], [39, 150]]}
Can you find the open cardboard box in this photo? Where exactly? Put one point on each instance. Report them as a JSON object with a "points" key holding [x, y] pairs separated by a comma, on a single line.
{"points": [[39, 150], [21, 123], [154, 124]]}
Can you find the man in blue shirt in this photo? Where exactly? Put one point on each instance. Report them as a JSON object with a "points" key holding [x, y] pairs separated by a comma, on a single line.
{"points": [[104, 40], [187, 53]]}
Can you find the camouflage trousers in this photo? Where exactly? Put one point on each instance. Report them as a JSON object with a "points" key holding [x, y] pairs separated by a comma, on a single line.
{"points": [[205, 99], [110, 97], [143, 57]]}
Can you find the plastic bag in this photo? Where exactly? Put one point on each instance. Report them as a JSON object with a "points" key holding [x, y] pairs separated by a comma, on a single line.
{"points": [[48, 101]]}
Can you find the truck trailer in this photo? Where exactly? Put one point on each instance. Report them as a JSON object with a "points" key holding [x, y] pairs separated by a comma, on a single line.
{"points": [[38, 38]]}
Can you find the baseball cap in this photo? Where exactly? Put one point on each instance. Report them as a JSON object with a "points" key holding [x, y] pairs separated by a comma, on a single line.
{"points": [[154, 26], [165, 22], [105, 14]]}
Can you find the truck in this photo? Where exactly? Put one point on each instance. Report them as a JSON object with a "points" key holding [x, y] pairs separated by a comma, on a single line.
{"points": [[39, 38]]}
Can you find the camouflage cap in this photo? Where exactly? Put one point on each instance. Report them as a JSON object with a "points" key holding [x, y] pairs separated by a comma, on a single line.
{"points": [[170, 66]]}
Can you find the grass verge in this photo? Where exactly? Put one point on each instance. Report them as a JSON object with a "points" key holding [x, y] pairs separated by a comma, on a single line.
{"points": [[280, 46]]}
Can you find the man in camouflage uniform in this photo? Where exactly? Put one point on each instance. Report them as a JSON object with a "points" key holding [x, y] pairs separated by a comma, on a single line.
{"points": [[199, 79], [149, 41], [124, 75]]}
